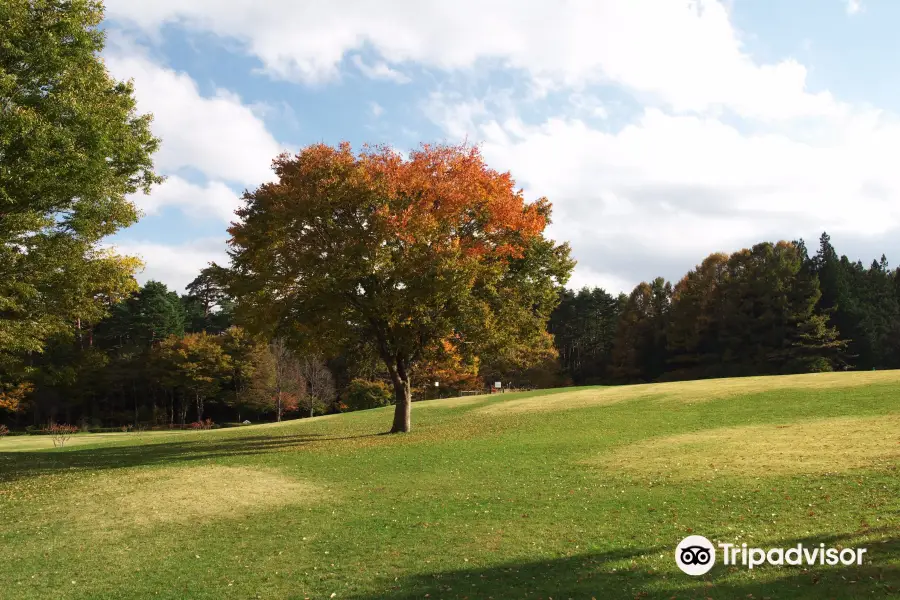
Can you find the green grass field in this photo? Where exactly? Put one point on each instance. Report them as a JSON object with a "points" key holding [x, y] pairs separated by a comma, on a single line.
{"points": [[576, 493]]}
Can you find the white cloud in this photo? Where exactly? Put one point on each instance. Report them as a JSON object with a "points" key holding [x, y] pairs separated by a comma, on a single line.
{"points": [[377, 109], [853, 6], [686, 53], [214, 199], [666, 190], [587, 277], [216, 135], [176, 265], [380, 70]]}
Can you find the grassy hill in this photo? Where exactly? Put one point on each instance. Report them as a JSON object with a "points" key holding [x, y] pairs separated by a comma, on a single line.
{"points": [[574, 493]]}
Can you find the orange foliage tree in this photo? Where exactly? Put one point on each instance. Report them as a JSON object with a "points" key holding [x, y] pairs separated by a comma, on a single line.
{"points": [[13, 399], [398, 252], [447, 366]]}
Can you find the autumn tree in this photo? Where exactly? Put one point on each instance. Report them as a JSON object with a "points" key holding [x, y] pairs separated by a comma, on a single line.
{"points": [[199, 367], [694, 319], [451, 370], [287, 380], [252, 371], [13, 400], [399, 252], [72, 149]]}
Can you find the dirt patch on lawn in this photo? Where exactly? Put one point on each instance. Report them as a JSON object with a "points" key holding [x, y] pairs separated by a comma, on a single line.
{"points": [[821, 446], [691, 391], [180, 495]]}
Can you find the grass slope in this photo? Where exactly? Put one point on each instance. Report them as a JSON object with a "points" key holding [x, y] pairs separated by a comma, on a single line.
{"points": [[574, 493]]}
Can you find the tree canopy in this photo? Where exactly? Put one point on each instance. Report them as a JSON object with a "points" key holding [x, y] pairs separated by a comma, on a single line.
{"points": [[403, 252], [72, 148]]}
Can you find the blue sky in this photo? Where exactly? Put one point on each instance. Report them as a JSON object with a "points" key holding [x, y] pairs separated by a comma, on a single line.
{"points": [[661, 130]]}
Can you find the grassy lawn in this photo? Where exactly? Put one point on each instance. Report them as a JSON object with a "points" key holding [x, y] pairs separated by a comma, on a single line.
{"points": [[575, 493]]}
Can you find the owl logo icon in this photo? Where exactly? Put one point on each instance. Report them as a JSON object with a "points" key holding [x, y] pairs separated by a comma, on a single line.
{"points": [[695, 555]]}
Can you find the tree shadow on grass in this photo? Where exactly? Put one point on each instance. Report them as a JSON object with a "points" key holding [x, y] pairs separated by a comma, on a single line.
{"points": [[22, 465], [612, 574]]}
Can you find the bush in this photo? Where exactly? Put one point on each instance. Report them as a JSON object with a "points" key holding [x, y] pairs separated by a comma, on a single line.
{"points": [[204, 424], [61, 433], [362, 394], [4, 430]]}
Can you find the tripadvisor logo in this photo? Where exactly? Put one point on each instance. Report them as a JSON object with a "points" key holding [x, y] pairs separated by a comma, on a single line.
{"points": [[695, 555]]}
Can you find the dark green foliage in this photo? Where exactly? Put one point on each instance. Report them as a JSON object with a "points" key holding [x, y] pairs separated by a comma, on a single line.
{"points": [[362, 395], [769, 324], [584, 327], [864, 305], [639, 351], [149, 316], [769, 309], [207, 305]]}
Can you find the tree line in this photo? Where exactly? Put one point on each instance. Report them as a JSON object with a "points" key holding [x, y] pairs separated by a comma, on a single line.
{"points": [[164, 359], [771, 309], [160, 359]]}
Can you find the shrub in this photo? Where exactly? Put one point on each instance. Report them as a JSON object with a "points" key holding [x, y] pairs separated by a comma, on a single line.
{"points": [[204, 424], [4, 430], [362, 394], [61, 433]]}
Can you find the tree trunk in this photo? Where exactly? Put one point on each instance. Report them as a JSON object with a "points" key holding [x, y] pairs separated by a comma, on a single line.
{"points": [[199, 407], [403, 407], [397, 368], [277, 399], [183, 409]]}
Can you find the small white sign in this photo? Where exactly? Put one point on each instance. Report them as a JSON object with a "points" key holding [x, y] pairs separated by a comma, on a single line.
{"points": [[436, 384], [498, 385]]}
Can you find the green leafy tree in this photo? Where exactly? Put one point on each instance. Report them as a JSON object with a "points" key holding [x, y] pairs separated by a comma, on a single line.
{"points": [[840, 301], [769, 323], [72, 148], [362, 394], [146, 318], [402, 253]]}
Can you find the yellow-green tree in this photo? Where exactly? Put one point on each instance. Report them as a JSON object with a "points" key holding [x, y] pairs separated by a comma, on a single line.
{"points": [[252, 371], [197, 366], [72, 148]]}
